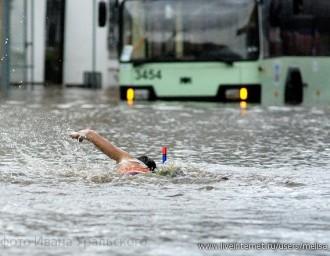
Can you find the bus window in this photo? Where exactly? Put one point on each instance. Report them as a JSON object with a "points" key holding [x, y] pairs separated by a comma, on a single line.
{"points": [[168, 30], [321, 10], [298, 7], [298, 28]]}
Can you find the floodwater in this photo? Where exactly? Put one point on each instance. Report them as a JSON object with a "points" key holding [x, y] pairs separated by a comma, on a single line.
{"points": [[261, 175]]}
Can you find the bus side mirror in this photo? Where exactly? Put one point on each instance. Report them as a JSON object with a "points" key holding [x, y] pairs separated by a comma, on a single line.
{"points": [[102, 14]]}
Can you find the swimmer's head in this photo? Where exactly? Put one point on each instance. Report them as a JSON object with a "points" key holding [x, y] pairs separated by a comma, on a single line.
{"points": [[148, 162]]}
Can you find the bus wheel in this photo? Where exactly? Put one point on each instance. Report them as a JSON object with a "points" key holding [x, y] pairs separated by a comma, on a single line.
{"points": [[294, 87]]}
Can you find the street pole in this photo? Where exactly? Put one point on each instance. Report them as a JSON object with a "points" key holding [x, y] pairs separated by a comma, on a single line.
{"points": [[94, 38], [32, 43], [5, 59], [26, 43]]}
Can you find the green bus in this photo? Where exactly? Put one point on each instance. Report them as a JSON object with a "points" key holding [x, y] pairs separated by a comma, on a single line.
{"points": [[259, 51]]}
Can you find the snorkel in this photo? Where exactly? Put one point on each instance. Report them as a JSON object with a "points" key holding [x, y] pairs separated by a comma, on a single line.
{"points": [[164, 153]]}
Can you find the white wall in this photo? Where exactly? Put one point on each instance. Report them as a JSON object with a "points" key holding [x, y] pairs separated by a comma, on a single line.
{"points": [[78, 43], [19, 54], [17, 39], [39, 40]]}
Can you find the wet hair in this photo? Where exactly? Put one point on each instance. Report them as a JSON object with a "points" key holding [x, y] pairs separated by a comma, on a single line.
{"points": [[148, 162]]}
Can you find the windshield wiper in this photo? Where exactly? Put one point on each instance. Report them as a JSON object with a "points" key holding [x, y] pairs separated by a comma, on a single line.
{"points": [[137, 63], [140, 62], [227, 61]]}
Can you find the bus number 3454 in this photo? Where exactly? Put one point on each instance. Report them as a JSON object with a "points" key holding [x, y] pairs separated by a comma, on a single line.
{"points": [[148, 74]]}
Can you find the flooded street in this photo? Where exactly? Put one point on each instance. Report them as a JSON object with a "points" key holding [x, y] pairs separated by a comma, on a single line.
{"points": [[261, 175]]}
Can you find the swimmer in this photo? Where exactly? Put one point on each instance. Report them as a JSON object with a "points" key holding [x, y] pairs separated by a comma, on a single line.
{"points": [[127, 164]]}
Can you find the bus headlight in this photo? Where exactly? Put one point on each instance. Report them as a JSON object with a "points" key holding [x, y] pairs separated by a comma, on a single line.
{"points": [[137, 94], [251, 93], [130, 94], [243, 94]]}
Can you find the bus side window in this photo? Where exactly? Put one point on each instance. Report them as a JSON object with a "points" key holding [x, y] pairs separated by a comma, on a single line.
{"points": [[295, 27], [275, 11], [321, 10], [274, 31], [298, 7]]}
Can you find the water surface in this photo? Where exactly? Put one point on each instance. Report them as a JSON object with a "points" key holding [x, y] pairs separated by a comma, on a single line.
{"points": [[256, 176]]}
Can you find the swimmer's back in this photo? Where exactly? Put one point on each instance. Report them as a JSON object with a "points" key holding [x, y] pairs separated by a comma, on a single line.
{"points": [[132, 166]]}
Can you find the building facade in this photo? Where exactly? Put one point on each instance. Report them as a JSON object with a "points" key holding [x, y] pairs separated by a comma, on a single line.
{"points": [[53, 42]]}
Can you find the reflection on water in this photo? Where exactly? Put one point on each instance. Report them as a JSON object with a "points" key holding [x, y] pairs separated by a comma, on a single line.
{"points": [[261, 176]]}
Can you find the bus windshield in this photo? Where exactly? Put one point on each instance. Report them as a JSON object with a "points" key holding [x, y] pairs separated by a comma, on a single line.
{"points": [[189, 30]]}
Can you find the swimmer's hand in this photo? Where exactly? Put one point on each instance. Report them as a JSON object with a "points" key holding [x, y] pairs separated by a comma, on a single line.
{"points": [[80, 135]]}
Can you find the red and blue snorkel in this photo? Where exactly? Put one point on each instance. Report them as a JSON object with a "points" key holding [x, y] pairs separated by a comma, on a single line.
{"points": [[164, 153]]}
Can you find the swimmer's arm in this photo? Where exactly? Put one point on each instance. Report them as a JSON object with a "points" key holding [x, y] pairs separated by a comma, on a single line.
{"points": [[102, 144]]}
